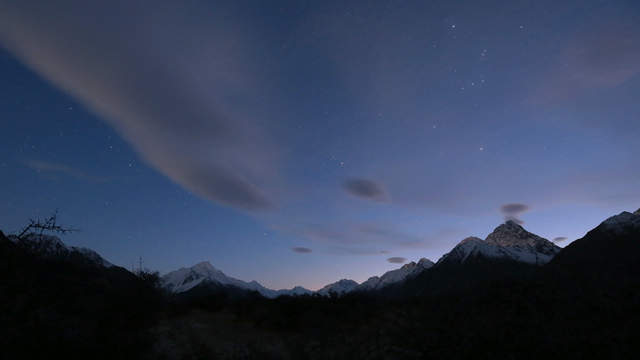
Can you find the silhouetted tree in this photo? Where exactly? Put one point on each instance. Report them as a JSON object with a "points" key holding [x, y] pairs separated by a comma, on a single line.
{"points": [[47, 225]]}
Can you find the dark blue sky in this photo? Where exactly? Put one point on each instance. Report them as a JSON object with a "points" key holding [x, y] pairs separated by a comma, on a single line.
{"points": [[296, 143]]}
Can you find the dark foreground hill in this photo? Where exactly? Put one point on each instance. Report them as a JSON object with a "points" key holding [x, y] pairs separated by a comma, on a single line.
{"points": [[71, 308], [585, 303]]}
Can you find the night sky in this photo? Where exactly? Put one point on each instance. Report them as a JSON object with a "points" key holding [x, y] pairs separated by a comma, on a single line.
{"points": [[298, 143]]}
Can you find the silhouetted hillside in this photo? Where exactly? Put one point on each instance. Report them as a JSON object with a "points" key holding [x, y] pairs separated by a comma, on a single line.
{"points": [[71, 308], [583, 304]]}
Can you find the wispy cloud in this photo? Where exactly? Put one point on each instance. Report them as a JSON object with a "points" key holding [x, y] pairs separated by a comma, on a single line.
{"points": [[365, 239], [187, 107], [301, 250], [397, 260], [604, 57], [559, 239], [49, 167]]}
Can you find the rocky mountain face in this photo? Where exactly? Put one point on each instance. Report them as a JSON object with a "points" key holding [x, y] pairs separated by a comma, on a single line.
{"points": [[185, 279], [394, 276], [340, 287], [508, 241]]}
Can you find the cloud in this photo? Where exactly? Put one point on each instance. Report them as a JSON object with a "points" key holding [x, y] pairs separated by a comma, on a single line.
{"points": [[183, 90], [603, 57], [301, 250], [397, 260], [366, 239], [391, 236], [366, 189], [559, 239], [513, 211], [43, 166]]}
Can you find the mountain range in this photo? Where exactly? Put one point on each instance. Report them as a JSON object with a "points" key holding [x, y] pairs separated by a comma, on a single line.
{"points": [[508, 243], [511, 295]]}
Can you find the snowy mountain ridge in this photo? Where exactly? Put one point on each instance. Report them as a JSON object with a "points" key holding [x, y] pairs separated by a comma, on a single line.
{"points": [[185, 279], [508, 241], [625, 219], [390, 277], [339, 287], [52, 247]]}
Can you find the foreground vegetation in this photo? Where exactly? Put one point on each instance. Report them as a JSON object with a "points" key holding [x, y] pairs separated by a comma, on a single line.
{"points": [[571, 308]]}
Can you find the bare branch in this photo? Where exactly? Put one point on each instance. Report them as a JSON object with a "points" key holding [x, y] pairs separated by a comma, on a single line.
{"points": [[49, 224]]}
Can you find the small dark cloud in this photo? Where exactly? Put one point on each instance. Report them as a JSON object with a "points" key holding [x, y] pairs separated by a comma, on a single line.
{"points": [[366, 189], [49, 167], [559, 239], [513, 211], [301, 250], [397, 260]]}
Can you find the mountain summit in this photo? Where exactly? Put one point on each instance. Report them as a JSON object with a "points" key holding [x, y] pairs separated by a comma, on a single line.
{"points": [[203, 273], [508, 241], [512, 235]]}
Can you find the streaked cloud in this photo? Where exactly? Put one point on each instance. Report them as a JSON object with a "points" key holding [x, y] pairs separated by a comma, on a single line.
{"points": [[49, 167], [559, 239], [605, 56], [301, 250], [180, 88]]}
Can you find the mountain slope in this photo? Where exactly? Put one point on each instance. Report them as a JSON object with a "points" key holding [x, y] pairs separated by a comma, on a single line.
{"points": [[339, 287], [68, 306], [610, 252], [508, 241], [203, 273], [394, 276]]}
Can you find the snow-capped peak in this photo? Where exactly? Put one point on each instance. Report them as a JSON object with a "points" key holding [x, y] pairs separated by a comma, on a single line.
{"points": [[339, 287], [425, 263], [185, 279], [406, 271], [512, 234], [508, 241], [623, 220], [470, 240], [205, 267]]}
